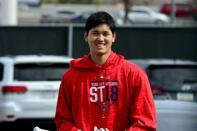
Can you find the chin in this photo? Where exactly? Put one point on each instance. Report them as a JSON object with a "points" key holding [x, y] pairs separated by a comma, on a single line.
{"points": [[100, 52]]}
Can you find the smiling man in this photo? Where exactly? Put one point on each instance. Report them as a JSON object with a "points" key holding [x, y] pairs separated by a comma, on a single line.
{"points": [[102, 91]]}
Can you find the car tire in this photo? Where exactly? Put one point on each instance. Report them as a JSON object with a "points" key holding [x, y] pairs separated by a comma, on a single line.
{"points": [[195, 17], [159, 22], [130, 21]]}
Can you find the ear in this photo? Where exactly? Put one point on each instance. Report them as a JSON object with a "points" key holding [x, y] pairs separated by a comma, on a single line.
{"points": [[86, 36], [114, 37]]}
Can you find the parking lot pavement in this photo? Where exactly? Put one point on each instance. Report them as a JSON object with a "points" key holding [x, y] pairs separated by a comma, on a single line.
{"points": [[25, 126]]}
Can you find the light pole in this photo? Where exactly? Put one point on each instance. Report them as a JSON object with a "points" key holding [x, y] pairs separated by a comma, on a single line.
{"points": [[173, 12], [8, 12]]}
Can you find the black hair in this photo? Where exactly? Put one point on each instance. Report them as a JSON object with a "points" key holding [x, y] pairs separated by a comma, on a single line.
{"points": [[98, 18]]}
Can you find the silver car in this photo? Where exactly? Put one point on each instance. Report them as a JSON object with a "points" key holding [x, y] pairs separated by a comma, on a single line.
{"points": [[29, 86], [174, 88], [143, 15], [171, 79]]}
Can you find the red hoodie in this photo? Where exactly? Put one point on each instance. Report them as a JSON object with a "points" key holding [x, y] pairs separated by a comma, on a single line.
{"points": [[115, 97]]}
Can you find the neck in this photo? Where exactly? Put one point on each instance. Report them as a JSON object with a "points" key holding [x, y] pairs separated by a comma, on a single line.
{"points": [[99, 59]]}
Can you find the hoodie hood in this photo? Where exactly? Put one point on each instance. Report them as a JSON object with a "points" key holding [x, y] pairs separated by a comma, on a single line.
{"points": [[86, 63]]}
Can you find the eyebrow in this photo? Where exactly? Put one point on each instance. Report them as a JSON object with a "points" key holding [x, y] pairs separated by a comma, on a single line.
{"points": [[101, 31]]}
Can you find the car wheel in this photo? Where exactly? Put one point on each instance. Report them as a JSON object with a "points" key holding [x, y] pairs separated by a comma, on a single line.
{"points": [[130, 21], [195, 17], [159, 22]]}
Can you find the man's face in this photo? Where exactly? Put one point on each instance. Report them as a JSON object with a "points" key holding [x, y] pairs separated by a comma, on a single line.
{"points": [[100, 39]]}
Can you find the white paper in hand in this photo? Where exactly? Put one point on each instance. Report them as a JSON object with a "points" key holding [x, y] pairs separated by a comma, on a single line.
{"points": [[38, 129]]}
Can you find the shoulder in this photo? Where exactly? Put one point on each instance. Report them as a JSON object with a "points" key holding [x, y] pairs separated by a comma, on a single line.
{"points": [[134, 70], [129, 64]]}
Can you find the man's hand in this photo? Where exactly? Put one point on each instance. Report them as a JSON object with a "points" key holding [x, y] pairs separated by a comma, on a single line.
{"points": [[100, 129], [39, 129]]}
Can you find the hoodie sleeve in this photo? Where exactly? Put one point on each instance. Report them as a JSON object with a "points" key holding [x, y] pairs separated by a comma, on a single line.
{"points": [[143, 113], [63, 116]]}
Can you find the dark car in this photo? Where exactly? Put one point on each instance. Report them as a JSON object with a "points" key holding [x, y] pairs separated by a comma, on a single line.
{"points": [[182, 9], [171, 79], [60, 16], [195, 12]]}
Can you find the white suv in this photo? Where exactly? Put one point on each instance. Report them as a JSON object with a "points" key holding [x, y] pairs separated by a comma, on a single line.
{"points": [[29, 86]]}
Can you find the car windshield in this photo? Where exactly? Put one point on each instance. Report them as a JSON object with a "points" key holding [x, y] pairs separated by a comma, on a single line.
{"points": [[172, 76], [66, 12], [39, 71]]}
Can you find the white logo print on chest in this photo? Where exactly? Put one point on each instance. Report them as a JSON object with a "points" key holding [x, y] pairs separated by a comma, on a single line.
{"points": [[103, 91]]}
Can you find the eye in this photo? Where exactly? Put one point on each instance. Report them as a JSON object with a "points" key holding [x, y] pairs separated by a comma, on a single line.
{"points": [[95, 33], [106, 33]]}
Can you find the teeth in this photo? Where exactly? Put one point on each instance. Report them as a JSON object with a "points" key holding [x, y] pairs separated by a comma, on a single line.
{"points": [[100, 44]]}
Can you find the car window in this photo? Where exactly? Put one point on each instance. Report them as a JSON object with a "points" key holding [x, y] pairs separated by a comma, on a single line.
{"points": [[172, 76], [39, 71], [140, 12], [1, 72], [184, 5], [66, 12]]}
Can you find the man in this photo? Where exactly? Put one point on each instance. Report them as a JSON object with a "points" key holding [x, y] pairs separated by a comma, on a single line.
{"points": [[102, 91]]}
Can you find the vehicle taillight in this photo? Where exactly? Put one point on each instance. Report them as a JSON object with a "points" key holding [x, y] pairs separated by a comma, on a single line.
{"points": [[158, 90], [14, 89]]}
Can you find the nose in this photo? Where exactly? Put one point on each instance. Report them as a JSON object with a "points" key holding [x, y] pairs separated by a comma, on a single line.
{"points": [[100, 37]]}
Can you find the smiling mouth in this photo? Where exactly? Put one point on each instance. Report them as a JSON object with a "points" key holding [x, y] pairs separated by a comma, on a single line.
{"points": [[100, 46]]}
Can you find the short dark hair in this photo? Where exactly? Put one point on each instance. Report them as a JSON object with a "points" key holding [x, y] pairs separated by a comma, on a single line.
{"points": [[98, 18]]}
